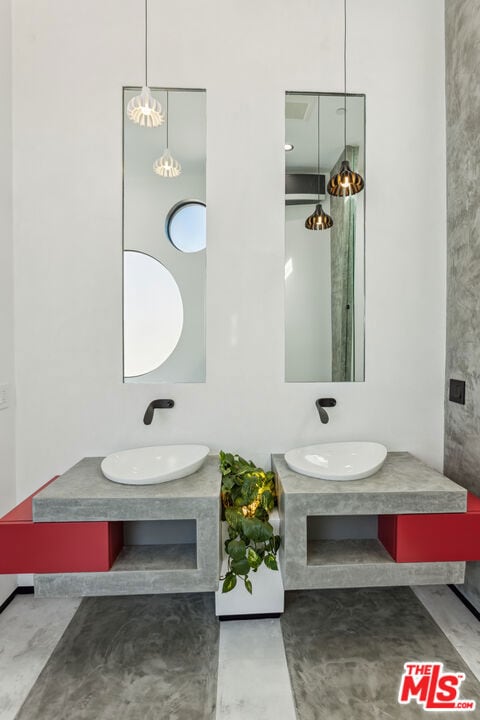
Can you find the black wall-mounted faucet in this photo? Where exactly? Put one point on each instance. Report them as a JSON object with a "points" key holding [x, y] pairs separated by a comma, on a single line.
{"points": [[321, 404], [154, 405]]}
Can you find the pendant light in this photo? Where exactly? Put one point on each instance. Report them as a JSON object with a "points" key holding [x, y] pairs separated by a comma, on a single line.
{"points": [[319, 219], [167, 166], [144, 109], [347, 182]]}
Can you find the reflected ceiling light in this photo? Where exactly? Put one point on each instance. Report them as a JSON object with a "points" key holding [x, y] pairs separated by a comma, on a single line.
{"points": [[166, 165], [144, 109], [288, 147], [319, 219], [347, 182]]}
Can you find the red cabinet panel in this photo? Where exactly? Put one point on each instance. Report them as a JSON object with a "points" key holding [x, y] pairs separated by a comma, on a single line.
{"points": [[28, 547], [439, 537]]}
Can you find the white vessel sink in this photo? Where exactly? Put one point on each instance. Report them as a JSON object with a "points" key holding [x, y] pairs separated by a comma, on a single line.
{"points": [[150, 465], [337, 461]]}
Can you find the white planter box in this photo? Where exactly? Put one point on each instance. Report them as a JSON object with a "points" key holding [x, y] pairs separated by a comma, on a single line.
{"points": [[268, 593]]}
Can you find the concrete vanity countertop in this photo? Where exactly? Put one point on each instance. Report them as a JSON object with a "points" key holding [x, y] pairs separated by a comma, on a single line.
{"points": [[403, 485], [83, 493]]}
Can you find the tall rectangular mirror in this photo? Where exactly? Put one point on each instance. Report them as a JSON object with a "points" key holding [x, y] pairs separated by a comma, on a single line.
{"points": [[324, 269], [164, 236]]}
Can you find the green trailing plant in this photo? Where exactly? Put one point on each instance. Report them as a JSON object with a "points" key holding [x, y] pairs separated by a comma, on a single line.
{"points": [[248, 496]]}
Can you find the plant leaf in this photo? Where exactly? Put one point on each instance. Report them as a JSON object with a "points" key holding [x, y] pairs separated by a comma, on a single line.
{"points": [[267, 500], [236, 492], [249, 491], [236, 549], [240, 567], [229, 582], [248, 585], [254, 559], [270, 561], [261, 513], [256, 529], [227, 484], [234, 519]]}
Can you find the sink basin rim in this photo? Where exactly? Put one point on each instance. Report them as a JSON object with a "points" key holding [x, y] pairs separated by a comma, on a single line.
{"points": [[154, 464], [298, 462]]}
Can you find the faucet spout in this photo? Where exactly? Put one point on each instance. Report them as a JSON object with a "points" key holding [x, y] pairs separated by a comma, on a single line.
{"points": [[154, 405], [321, 404]]}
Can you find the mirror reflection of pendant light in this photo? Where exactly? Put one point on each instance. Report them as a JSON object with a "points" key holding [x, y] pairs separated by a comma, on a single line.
{"points": [[167, 166], [347, 182], [144, 109], [319, 219]]}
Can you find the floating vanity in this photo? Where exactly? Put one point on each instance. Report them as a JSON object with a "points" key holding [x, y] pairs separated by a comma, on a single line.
{"points": [[84, 495], [84, 535], [319, 549]]}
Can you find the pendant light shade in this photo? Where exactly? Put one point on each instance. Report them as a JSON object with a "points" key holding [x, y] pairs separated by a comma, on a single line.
{"points": [[318, 220], [345, 183], [144, 109], [167, 166]]}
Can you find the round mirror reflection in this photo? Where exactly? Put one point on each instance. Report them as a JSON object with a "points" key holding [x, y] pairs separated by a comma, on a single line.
{"points": [[186, 226], [153, 313]]}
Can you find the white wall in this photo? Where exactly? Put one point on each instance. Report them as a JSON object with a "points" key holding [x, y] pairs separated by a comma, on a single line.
{"points": [[7, 420], [71, 60]]}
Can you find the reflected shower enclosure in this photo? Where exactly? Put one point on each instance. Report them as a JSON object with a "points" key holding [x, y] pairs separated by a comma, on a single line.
{"points": [[164, 242], [324, 268]]}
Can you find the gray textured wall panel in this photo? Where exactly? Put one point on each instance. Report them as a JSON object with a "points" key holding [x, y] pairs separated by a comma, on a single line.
{"points": [[462, 423]]}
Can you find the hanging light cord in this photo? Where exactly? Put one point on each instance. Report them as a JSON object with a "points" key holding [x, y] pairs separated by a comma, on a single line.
{"points": [[146, 43], [318, 146], [166, 107], [345, 76]]}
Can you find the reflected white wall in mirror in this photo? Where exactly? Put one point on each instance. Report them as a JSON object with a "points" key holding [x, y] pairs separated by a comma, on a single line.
{"points": [[152, 313], [149, 202], [324, 269]]}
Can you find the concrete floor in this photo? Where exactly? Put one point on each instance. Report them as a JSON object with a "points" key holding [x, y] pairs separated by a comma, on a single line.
{"points": [[30, 629]]}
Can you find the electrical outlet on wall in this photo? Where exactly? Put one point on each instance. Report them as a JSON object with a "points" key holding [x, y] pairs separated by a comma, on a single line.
{"points": [[4, 397]]}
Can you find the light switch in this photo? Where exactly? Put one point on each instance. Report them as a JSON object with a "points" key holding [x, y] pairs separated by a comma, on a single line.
{"points": [[4, 397]]}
